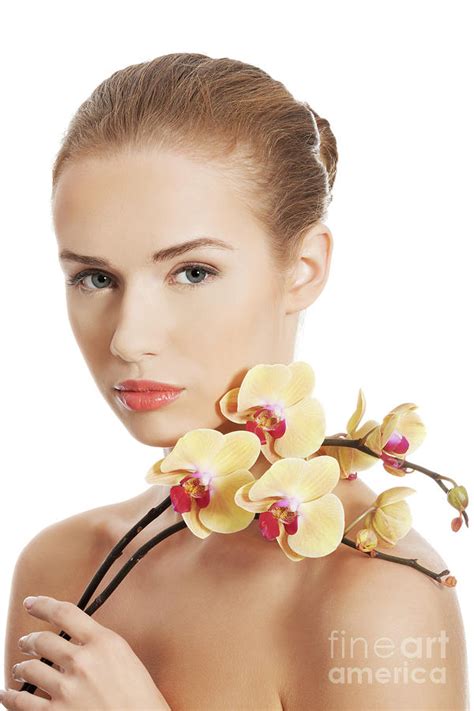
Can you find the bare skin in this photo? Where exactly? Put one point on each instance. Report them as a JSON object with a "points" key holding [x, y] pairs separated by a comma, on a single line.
{"points": [[228, 622], [219, 622]]}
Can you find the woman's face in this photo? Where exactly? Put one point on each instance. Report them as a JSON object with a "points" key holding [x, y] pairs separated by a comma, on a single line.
{"points": [[198, 319]]}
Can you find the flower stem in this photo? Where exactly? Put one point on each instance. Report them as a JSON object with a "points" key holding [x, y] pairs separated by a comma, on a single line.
{"points": [[117, 550], [356, 520], [412, 562], [408, 467], [131, 562]]}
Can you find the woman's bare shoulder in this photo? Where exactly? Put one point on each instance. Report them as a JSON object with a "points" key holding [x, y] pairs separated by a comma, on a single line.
{"points": [[77, 532], [77, 543]]}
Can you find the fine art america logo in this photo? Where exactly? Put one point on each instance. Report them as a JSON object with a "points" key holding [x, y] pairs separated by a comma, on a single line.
{"points": [[414, 653]]}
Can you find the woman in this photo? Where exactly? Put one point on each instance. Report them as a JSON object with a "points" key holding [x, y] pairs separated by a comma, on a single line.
{"points": [[191, 193]]}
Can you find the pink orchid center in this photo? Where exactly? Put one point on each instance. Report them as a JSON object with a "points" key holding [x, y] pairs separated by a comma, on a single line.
{"points": [[194, 486], [191, 487], [269, 418], [397, 443], [284, 511]]}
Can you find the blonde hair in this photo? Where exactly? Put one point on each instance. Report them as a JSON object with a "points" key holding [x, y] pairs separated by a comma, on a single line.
{"points": [[221, 109]]}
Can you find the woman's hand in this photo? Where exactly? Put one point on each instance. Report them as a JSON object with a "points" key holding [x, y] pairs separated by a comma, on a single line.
{"points": [[98, 668]]}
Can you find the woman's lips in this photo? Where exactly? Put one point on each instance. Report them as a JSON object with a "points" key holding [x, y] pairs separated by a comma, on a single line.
{"points": [[148, 399], [145, 385]]}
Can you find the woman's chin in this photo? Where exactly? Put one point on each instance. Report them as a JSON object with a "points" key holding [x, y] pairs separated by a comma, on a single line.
{"points": [[164, 434], [153, 437]]}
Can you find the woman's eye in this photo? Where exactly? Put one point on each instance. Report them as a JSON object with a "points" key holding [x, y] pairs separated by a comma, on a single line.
{"points": [[97, 280], [195, 273]]}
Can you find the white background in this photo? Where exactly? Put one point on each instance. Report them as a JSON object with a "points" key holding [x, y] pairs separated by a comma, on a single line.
{"points": [[394, 79]]}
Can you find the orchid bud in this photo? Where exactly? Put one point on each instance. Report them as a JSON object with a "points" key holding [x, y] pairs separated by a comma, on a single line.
{"points": [[450, 581], [366, 540], [457, 497]]}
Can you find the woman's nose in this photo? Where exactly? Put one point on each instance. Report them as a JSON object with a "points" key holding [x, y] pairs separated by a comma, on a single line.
{"points": [[139, 328]]}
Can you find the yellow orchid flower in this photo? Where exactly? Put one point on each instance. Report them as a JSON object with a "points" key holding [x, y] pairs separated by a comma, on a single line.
{"points": [[353, 460], [400, 433], [390, 518], [205, 468], [296, 507], [274, 402]]}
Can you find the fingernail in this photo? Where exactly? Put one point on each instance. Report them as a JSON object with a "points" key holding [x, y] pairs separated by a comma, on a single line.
{"points": [[28, 601]]}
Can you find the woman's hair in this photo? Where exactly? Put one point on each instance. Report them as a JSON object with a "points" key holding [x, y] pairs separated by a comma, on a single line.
{"points": [[222, 110]]}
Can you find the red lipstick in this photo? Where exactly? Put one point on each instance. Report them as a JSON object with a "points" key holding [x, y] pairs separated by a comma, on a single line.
{"points": [[146, 394]]}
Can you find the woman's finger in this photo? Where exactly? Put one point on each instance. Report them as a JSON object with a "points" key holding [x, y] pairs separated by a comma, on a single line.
{"points": [[40, 674], [23, 701], [65, 615], [47, 644]]}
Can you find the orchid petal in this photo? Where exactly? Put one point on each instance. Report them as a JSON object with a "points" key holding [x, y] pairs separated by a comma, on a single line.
{"points": [[305, 428], [282, 539], [194, 450], [156, 476], [180, 499], [240, 450], [389, 425], [407, 422], [269, 526], [253, 426], [392, 522], [228, 406], [352, 460], [263, 384], [223, 515], [364, 429], [403, 408], [391, 496], [356, 416], [396, 471], [300, 385], [374, 439], [320, 527], [268, 449], [413, 429], [241, 498], [193, 522], [305, 480]]}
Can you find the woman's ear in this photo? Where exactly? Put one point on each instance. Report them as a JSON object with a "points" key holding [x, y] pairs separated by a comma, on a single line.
{"points": [[310, 271]]}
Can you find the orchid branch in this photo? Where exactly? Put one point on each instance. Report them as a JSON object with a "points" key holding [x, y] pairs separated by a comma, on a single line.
{"points": [[117, 550], [359, 518], [408, 467], [412, 562]]}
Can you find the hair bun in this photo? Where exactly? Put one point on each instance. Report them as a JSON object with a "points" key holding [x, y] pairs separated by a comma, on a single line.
{"points": [[324, 144]]}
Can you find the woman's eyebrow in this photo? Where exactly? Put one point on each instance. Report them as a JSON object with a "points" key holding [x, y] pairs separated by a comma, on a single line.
{"points": [[160, 256]]}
